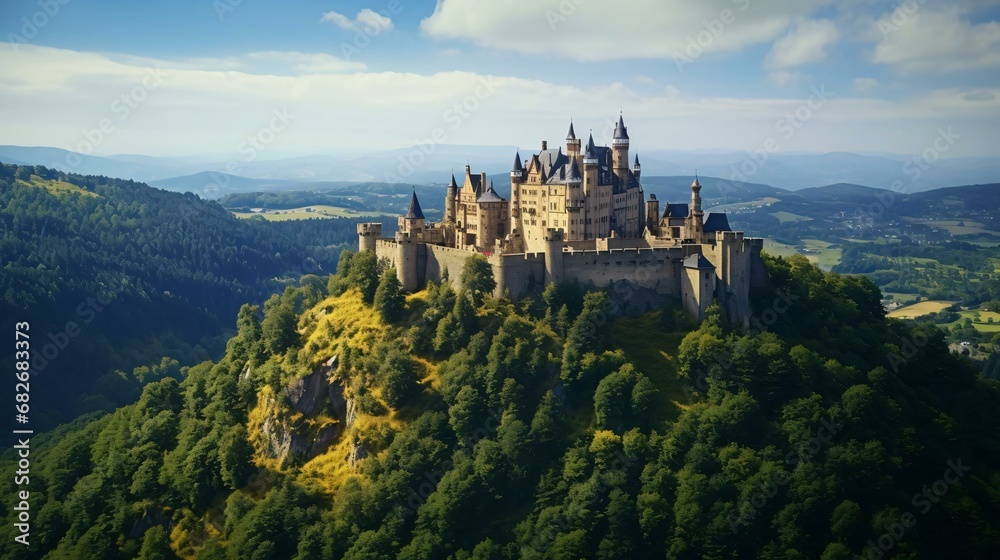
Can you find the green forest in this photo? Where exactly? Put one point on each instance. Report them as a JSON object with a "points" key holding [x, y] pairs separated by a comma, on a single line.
{"points": [[348, 420], [152, 280]]}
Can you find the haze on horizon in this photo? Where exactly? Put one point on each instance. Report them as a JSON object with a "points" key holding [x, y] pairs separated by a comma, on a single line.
{"points": [[198, 77]]}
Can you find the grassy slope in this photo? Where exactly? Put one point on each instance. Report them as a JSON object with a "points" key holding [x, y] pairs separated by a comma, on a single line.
{"points": [[55, 186]]}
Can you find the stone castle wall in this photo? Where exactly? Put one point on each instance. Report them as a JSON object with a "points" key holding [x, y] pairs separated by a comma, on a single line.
{"points": [[654, 269], [738, 269]]}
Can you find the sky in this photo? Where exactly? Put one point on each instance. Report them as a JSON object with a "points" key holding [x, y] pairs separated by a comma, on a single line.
{"points": [[207, 77]]}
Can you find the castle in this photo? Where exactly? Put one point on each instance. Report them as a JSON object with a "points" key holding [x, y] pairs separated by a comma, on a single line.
{"points": [[578, 215]]}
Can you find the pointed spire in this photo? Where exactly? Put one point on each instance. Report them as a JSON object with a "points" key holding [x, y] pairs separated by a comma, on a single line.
{"points": [[574, 172], [518, 166], [621, 132], [453, 184], [590, 156], [414, 212], [636, 165], [572, 133]]}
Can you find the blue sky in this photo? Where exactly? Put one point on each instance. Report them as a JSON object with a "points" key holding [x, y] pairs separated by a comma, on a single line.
{"points": [[195, 77]]}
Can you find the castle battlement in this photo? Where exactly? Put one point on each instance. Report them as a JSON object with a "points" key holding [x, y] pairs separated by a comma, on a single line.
{"points": [[577, 216]]}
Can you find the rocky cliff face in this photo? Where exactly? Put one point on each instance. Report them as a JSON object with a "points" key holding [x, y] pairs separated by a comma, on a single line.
{"points": [[305, 419]]}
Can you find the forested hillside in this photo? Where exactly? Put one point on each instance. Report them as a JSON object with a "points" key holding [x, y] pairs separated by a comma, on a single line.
{"points": [[346, 421], [142, 274]]}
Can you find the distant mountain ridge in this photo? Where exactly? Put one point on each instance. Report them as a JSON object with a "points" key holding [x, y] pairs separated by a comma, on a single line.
{"points": [[435, 164]]}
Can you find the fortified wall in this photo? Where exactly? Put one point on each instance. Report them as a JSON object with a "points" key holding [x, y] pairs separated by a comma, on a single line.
{"points": [[696, 274]]}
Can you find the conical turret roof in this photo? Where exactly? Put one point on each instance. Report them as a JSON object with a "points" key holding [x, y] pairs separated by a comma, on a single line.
{"points": [[518, 166], [414, 212]]}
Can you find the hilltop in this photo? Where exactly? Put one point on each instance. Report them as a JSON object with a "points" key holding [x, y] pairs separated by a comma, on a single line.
{"points": [[349, 421]]}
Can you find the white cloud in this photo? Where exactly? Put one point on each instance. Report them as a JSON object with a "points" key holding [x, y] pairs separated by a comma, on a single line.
{"points": [[370, 22], [807, 41], [340, 20], [784, 78], [594, 30], [210, 106], [864, 84], [936, 41]]}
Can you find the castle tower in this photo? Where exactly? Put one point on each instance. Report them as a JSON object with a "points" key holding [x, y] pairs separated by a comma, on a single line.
{"points": [[413, 221], [517, 178], [590, 167], [697, 285], [697, 218], [619, 147], [636, 168], [406, 261], [553, 255], [368, 234], [572, 143], [653, 214], [451, 201]]}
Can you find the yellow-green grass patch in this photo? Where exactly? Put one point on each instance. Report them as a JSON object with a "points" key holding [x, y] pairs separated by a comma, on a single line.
{"points": [[920, 309], [55, 186], [785, 217]]}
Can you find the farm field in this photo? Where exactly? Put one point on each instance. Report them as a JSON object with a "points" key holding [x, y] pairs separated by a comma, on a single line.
{"points": [[980, 320], [777, 249], [920, 309], [785, 217], [821, 253]]}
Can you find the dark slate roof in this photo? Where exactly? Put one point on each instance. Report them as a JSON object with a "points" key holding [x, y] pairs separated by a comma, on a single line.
{"points": [[552, 160], [475, 180], [676, 211], [621, 132], [414, 213], [590, 143], [717, 221], [490, 196], [636, 160], [574, 172], [518, 166], [572, 134], [453, 184], [697, 261]]}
